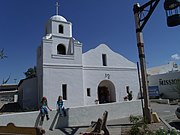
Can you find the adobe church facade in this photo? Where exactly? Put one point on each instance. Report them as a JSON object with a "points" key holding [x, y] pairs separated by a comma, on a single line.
{"points": [[98, 75]]}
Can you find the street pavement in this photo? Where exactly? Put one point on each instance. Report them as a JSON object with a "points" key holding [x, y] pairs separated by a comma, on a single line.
{"points": [[164, 111]]}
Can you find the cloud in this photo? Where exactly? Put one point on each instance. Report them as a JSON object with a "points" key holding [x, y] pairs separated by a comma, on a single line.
{"points": [[175, 56]]}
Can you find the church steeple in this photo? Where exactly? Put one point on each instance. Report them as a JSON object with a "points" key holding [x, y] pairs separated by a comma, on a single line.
{"points": [[58, 25]]}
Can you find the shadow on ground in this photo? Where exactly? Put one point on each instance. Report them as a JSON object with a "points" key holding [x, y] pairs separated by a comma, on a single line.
{"points": [[175, 124], [11, 107]]}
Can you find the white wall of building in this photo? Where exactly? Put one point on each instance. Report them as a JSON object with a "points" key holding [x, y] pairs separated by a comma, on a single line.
{"points": [[119, 71], [59, 69], [120, 80], [55, 77], [53, 23], [94, 58], [76, 116]]}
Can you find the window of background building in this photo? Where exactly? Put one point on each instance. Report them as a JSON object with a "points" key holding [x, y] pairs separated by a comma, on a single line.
{"points": [[64, 91]]}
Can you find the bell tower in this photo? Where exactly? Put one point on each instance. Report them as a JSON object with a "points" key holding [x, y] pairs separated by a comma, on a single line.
{"points": [[60, 30], [59, 63]]}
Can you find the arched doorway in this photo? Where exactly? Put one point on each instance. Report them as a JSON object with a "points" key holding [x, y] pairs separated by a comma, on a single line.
{"points": [[106, 92]]}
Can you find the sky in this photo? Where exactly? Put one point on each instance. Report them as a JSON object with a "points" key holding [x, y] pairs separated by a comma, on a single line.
{"points": [[22, 26]]}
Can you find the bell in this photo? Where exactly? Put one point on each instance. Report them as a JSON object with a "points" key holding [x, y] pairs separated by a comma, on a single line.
{"points": [[172, 8]]}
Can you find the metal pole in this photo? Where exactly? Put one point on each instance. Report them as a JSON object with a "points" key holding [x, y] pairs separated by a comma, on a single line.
{"points": [[140, 45]]}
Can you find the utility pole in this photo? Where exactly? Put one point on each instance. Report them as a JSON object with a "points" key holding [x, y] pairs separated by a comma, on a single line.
{"points": [[140, 23]]}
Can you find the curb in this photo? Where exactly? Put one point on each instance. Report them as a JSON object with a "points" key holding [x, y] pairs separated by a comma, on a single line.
{"points": [[167, 124]]}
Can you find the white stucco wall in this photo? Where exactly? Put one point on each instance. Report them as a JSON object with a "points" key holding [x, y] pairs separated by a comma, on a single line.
{"points": [[94, 58], [53, 24], [119, 71], [62, 69], [50, 55], [76, 116], [167, 83], [120, 80], [67, 28], [55, 76], [58, 69]]}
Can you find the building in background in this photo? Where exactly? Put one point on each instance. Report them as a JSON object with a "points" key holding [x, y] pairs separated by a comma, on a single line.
{"points": [[27, 93], [8, 93], [164, 81]]}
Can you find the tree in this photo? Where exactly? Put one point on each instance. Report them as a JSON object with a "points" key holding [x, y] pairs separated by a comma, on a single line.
{"points": [[31, 72], [2, 55], [6, 80]]}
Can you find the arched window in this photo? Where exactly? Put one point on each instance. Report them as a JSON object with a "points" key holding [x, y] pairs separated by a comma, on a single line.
{"points": [[61, 29], [61, 49]]}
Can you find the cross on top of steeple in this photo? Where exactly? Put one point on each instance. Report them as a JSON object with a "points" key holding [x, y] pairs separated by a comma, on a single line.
{"points": [[57, 7]]}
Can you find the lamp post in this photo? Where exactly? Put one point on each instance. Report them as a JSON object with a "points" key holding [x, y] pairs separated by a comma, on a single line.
{"points": [[172, 8], [140, 23]]}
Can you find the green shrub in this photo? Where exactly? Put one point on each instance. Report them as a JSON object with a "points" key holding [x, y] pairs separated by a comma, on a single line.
{"points": [[140, 127], [164, 132]]}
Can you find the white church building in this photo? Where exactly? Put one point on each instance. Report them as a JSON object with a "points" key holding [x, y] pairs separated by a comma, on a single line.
{"points": [[96, 76]]}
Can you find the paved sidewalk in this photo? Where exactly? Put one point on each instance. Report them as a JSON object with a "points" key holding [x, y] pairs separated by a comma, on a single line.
{"points": [[114, 127]]}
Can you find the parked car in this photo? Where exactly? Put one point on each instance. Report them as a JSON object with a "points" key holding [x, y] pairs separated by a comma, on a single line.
{"points": [[177, 112]]}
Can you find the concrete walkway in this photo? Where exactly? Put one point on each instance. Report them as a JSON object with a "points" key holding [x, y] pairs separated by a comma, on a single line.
{"points": [[116, 130], [114, 127]]}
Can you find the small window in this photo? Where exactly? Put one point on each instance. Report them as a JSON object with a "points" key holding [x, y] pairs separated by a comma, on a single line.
{"points": [[127, 89], [64, 91], [61, 29], [88, 92], [104, 59], [61, 49]]}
